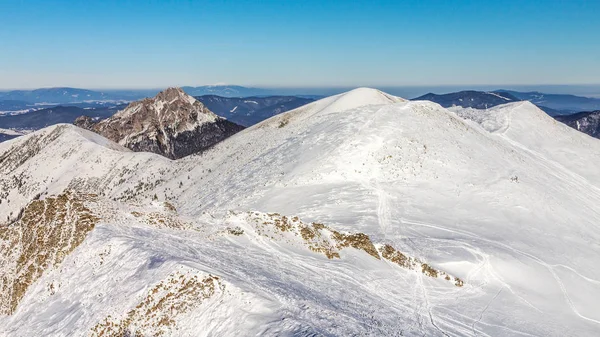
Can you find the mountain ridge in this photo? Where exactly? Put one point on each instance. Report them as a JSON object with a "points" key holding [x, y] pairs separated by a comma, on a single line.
{"points": [[254, 224]]}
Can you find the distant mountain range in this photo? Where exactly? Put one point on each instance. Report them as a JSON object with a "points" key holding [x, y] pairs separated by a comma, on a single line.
{"points": [[14, 105], [49, 116], [226, 91], [64, 95], [552, 104], [470, 99], [586, 122], [35, 109], [251, 110], [565, 103], [46, 97], [21, 99]]}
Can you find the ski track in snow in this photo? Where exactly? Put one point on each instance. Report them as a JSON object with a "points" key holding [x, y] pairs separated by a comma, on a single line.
{"points": [[516, 251], [428, 306], [484, 310]]}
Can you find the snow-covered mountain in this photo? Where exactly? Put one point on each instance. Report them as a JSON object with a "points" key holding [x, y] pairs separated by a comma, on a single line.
{"points": [[467, 101], [358, 214], [172, 124]]}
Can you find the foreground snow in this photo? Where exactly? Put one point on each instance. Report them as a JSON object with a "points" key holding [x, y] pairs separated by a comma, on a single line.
{"points": [[506, 201]]}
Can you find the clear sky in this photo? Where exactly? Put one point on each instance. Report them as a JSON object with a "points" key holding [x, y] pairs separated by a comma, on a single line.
{"points": [[140, 44]]}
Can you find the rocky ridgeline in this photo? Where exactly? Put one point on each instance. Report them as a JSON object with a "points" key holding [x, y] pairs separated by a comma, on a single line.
{"points": [[322, 239]]}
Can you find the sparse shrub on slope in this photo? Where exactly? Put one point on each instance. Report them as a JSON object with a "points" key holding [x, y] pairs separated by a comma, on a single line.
{"points": [[47, 232], [156, 314], [321, 239]]}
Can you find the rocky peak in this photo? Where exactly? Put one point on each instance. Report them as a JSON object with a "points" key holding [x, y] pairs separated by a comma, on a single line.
{"points": [[172, 123], [171, 107], [171, 94]]}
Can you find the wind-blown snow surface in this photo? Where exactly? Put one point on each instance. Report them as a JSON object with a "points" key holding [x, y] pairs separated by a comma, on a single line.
{"points": [[506, 201]]}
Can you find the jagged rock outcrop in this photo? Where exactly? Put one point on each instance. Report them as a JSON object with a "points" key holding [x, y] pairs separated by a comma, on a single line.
{"points": [[172, 124]]}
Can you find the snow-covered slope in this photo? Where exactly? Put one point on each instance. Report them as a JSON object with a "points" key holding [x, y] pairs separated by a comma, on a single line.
{"points": [[62, 157], [359, 214], [542, 137]]}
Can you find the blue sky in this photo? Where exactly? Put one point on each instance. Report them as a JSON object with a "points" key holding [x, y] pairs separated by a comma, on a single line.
{"points": [[140, 44]]}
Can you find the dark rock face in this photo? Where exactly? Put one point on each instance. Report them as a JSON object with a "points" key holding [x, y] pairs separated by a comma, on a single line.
{"points": [[172, 124], [178, 145], [470, 99], [586, 122], [203, 137]]}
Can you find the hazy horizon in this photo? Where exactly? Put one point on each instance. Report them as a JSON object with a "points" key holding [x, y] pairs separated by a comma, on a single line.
{"points": [[407, 91]]}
